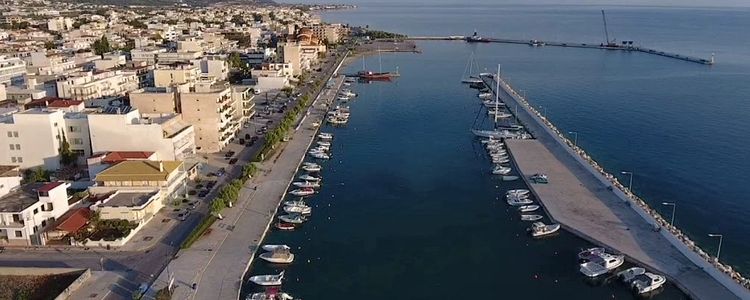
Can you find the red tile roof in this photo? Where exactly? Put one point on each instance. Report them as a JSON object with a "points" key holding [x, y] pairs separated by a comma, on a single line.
{"points": [[118, 156], [73, 220], [49, 186], [64, 103]]}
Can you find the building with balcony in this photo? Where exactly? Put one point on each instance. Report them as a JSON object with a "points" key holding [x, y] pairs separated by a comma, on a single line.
{"points": [[32, 138], [12, 70], [127, 129], [147, 55], [26, 210], [166, 179], [244, 104], [175, 74], [209, 106], [89, 85]]}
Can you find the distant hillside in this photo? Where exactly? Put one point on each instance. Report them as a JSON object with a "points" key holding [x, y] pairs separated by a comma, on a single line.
{"points": [[170, 2]]}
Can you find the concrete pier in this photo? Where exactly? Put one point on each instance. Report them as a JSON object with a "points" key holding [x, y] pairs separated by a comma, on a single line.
{"points": [[583, 204], [539, 43]]}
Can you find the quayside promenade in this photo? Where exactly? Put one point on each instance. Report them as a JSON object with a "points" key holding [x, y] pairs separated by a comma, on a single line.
{"points": [[586, 206], [217, 262]]}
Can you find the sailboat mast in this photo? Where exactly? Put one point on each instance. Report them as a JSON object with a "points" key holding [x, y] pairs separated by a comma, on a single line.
{"points": [[606, 31], [380, 60], [497, 92]]}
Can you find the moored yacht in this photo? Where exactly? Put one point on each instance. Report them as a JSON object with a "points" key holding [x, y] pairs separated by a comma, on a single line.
{"points": [[325, 135], [293, 218], [601, 263], [306, 184], [528, 208], [630, 274], [278, 256], [302, 192], [500, 170], [311, 168], [519, 201], [305, 210], [648, 282], [267, 279], [531, 217], [308, 177], [539, 229]]}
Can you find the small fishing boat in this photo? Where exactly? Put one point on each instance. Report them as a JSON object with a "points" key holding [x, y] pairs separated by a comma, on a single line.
{"points": [[337, 121], [648, 282], [528, 208], [531, 217], [320, 155], [306, 184], [519, 202], [490, 104], [267, 279], [308, 177], [272, 247], [348, 93], [590, 253], [278, 256], [305, 210], [302, 192], [500, 170], [325, 135], [324, 143], [539, 229], [311, 164], [295, 203], [630, 274], [343, 98], [314, 168], [269, 296], [284, 226], [293, 218], [517, 192], [510, 178], [601, 264], [485, 96]]}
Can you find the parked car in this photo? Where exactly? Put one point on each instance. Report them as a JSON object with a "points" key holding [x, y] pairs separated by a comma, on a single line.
{"points": [[183, 216], [241, 141], [233, 161], [221, 172], [229, 154], [203, 194], [247, 136]]}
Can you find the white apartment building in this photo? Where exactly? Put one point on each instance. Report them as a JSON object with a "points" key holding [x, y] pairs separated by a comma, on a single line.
{"points": [[175, 74], [109, 61], [26, 210], [32, 139], [244, 104], [175, 57], [166, 134], [88, 85], [40, 63], [59, 24], [12, 70], [147, 55], [213, 67]]}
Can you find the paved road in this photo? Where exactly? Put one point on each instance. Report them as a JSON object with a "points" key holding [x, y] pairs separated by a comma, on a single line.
{"points": [[583, 205]]}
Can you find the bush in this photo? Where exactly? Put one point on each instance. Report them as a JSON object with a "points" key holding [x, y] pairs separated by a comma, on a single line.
{"points": [[198, 231], [163, 294]]}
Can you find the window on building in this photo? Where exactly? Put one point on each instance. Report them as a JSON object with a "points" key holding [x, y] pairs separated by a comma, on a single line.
{"points": [[10, 134], [44, 223], [18, 146], [36, 211], [12, 147], [76, 141], [19, 233], [15, 133], [13, 159], [74, 129], [20, 159]]}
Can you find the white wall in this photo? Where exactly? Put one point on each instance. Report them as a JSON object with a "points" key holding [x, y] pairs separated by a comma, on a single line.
{"points": [[37, 137]]}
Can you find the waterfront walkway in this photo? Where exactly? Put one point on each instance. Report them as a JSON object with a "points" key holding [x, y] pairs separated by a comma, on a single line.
{"points": [[587, 207], [218, 261]]}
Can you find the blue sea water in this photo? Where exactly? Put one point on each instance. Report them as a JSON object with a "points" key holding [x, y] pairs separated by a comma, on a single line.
{"points": [[680, 127], [408, 210]]}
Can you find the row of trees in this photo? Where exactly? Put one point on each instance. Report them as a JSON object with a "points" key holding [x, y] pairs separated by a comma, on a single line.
{"points": [[274, 137]]}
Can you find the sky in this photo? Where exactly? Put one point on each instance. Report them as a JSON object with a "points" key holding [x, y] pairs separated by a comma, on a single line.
{"points": [[676, 3]]}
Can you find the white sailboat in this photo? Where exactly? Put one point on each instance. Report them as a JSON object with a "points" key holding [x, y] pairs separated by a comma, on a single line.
{"points": [[469, 76]]}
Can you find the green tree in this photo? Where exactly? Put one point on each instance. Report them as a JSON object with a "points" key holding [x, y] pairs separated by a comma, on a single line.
{"points": [[102, 46], [67, 156], [37, 175], [49, 45]]}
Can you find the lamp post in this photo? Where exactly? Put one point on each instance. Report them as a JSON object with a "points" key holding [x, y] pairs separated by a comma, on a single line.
{"points": [[674, 207], [575, 137], [544, 109], [721, 238], [630, 182]]}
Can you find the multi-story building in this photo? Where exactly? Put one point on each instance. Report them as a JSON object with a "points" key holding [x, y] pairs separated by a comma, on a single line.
{"points": [[32, 138], [244, 104], [26, 210], [109, 61], [210, 108], [147, 55], [178, 57], [175, 74], [213, 67], [149, 185], [12, 70], [88, 85], [41, 63], [59, 24], [127, 130]]}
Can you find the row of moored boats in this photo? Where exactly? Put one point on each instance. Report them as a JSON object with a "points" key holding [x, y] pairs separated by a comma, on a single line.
{"points": [[596, 262]]}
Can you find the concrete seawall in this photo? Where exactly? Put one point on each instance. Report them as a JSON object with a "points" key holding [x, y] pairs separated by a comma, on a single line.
{"points": [[585, 203]]}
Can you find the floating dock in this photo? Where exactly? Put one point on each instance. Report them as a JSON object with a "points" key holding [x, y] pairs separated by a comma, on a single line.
{"points": [[539, 43], [585, 204]]}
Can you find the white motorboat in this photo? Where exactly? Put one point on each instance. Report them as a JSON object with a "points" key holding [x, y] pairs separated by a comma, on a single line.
{"points": [[269, 296], [343, 98], [293, 218], [325, 135], [500, 160], [531, 217], [348, 93], [311, 168], [271, 247], [268, 279], [320, 155], [308, 177], [528, 208], [630, 274], [311, 164], [648, 282], [491, 141], [498, 113], [324, 143], [491, 104], [601, 264], [518, 192], [500, 170], [510, 178], [305, 210], [306, 184], [590, 253], [337, 121], [302, 192], [485, 96], [519, 202], [295, 203], [498, 134], [322, 148], [278, 256], [539, 229]]}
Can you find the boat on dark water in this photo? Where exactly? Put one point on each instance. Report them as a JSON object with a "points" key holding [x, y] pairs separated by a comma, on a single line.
{"points": [[475, 38]]}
